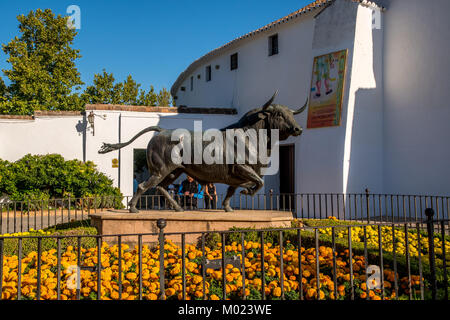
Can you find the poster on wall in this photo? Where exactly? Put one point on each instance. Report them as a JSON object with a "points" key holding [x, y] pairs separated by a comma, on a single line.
{"points": [[327, 88]]}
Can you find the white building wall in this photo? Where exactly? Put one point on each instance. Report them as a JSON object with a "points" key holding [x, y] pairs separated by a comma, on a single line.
{"points": [[63, 135], [321, 151], [416, 97], [41, 136], [258, 74], [347, 158]]}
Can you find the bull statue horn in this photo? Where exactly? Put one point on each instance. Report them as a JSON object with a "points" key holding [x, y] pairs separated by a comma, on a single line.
{"points": [[302, 108], [268, 103]]}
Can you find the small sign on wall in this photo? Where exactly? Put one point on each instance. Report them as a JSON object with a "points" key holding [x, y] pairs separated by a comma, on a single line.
{"points": [[115, 163], [327, 88]]}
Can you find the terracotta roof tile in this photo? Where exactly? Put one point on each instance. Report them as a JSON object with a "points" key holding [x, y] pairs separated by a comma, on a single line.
{"points": [[115, 107]]}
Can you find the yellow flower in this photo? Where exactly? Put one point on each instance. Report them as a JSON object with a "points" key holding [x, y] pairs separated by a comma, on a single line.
{"points": [[277, 292]]}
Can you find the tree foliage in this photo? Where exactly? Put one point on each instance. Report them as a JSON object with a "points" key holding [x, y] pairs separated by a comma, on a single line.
{"points": [[43, 72], [164, 98], [2, 90], [105, 90]]}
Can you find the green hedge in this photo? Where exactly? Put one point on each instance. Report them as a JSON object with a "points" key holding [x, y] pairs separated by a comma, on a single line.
{"points": [[38, 178]]}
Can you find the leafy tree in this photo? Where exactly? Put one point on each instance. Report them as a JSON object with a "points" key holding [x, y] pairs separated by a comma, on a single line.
{"points": [[130, 90], [104, 90], [43, 72], [149, 98], [2, 90], [164, 98]]}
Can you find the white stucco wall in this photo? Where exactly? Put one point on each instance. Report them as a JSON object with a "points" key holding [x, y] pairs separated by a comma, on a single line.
{"points": [[258, 74], [416, 97], [41, 136], [63, 135], [131, 124], [319, 153], [347, 158]]}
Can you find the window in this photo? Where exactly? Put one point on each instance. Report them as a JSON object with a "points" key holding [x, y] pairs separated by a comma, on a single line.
{"points": [[273, 45], [192, 83], [208, 73], [234, 61]]}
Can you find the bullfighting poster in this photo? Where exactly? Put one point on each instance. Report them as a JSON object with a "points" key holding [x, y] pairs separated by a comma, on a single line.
{"points": [[327, 88]]}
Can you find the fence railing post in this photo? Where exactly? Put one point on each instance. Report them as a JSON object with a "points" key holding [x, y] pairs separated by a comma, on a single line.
{"points": [[271, 201], [429, 212], [161, 224], [367, 205]]}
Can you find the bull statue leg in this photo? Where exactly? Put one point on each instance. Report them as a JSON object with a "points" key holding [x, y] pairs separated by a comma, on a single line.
{"points": [[226, 201], [160, 181], [246, 172], [144, 186], [172, 202], [167, 181]]}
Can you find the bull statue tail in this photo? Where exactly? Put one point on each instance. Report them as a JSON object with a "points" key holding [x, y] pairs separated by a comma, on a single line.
{"points": [[108, 147]]}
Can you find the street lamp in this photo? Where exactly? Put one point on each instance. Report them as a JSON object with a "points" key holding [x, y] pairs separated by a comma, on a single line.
{"points": [[90, 119]]}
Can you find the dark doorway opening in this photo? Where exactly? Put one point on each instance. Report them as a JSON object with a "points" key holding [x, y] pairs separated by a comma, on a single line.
{"points": [[287, 177]]}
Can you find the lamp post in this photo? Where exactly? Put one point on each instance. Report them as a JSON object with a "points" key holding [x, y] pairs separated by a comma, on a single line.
{"points": [[90, 119]]}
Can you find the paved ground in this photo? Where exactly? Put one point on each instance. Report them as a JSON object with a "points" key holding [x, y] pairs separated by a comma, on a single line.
{"points": [[21, 222]]}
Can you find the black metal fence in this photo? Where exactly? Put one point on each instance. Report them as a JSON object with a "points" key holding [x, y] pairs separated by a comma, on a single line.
{"points": [[304, 262], [23, 215], [359, 207]]}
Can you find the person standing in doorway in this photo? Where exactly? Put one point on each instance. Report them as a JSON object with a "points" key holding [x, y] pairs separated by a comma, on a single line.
{"points": [[135, 184], [210, 196]]}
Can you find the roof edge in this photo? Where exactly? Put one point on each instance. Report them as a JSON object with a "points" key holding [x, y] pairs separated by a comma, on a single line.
{"points": [[318, 4], [159, 109]]}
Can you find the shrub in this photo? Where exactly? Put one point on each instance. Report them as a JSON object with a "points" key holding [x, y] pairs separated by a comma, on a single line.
{"points": [[37, 178]]}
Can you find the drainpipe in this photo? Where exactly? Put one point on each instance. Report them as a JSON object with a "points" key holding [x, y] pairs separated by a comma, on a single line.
{"points": [[84, 135]]}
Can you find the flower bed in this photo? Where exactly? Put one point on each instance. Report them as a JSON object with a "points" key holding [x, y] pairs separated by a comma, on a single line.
{"points": [[194, 279], [387, 237]]}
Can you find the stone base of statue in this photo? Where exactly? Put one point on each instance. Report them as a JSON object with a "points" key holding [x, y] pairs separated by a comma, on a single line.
{"points": [[121, 222]]}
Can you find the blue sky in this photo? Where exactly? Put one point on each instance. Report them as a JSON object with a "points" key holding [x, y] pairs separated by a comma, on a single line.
{"points": [[151, 40]]}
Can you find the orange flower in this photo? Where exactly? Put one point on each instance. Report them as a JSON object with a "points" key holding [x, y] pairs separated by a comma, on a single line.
{"points": [[277, 292]]}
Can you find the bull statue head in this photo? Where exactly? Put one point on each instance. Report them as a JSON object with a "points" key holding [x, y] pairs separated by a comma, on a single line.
{"points": [[282, 118]]}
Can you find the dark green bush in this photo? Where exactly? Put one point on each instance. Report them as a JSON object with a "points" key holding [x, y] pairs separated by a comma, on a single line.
{"points": [[11, 245], [38, 178]]}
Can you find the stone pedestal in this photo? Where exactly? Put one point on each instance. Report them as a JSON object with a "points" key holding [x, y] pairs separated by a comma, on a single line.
{"points": [[121, 222]]}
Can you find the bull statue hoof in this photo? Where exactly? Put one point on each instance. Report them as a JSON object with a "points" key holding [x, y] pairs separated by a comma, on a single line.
{"points": [[134, 210], [228, 209], [244, 191]]}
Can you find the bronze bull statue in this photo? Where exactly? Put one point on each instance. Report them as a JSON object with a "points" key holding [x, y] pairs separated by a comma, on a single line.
{"points": [[165, 171]]}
